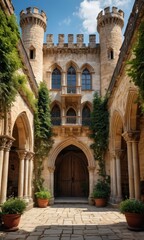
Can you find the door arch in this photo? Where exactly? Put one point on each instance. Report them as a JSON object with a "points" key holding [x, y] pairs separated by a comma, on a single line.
{"points": [[71, 173]]}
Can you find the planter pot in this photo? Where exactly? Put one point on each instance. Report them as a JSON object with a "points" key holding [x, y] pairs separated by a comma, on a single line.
{"points": [[135, 221], [100, 202], [42, 203], [11, 221]]}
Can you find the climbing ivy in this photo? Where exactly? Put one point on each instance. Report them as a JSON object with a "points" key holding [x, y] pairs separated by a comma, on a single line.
{"points": [[10, 80], [100, 130], [136, 65], [9, 59], [43, 133]]}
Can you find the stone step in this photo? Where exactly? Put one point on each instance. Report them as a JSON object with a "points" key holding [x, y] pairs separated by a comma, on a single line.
{"points": [[70, 200]]}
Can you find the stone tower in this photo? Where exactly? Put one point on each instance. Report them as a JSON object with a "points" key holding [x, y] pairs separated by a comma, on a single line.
{"points": [[109, 26], [33, 25]]}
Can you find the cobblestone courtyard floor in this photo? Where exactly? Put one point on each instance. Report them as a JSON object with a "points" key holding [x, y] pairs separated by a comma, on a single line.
{"points": [[76, 222]]}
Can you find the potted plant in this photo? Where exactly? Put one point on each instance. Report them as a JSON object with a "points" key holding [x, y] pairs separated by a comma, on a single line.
{"points": [[134, 213], [43, 197], [101, 192], [11, 212]]}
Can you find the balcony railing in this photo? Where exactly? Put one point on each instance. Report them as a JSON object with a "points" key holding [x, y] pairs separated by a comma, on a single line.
{"points": [[57, 121], [71, 89]]}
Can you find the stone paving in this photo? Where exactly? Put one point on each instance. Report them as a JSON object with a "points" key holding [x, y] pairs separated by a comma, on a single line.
{"points": [[72, 222]]}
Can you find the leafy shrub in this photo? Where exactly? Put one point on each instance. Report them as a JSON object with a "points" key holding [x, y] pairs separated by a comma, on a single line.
{"points": [[132, 206], [43, 194], [13, 206], [101, 189]]}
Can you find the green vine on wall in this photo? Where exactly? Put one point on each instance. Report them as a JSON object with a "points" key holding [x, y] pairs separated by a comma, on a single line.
{"points": [[10, 80], [136, 69], [100, 130], [9, 59], [43, 133]]}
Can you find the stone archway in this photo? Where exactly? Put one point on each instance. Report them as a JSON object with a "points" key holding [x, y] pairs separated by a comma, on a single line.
{"points": [[20, 160], [87, 153], [71, 176]]}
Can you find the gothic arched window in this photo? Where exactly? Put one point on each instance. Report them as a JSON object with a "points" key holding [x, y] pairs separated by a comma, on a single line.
{"points": [[56, 79], [86, 116], [86, 80], [71, 116], [56, 115], [71, 80]]}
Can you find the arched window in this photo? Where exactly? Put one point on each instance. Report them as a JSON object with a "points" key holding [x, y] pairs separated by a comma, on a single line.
{"points": [[86, 116], [56, 79], [71, 80], [71, 116], [56, 115], [86, 80]]}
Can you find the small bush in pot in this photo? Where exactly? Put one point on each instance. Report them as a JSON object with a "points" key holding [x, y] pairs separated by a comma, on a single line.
{"points": [[134, 213], [101, 192], [43, 197], [11, 211]]}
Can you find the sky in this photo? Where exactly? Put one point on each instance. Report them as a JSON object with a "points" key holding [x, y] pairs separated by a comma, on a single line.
{"points": [[73, 16]]}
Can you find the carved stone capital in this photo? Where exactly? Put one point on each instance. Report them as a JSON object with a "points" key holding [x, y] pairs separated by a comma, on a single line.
{"points": [[131, 136], [29, 155], [6, 142], [91, 168], [118, 152], [51, 169], [22, 154], [2, 142]]}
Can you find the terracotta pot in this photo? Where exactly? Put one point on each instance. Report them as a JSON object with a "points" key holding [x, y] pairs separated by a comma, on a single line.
{"points": [[11, 221], [100, 202], [42, 203], [135, 221]]}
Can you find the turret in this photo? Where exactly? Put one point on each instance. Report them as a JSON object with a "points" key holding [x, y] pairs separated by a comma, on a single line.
{"points": [[109, 26], [33, 24]]}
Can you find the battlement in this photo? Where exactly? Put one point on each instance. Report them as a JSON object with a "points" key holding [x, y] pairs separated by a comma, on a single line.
{"points": [[108, 16], [34, 15], [70, 44]]}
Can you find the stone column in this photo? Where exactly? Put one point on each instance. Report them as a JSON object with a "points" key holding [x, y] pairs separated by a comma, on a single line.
{"points": [[91, 182], [136, 164], [3, 140], [79, 114], [22, 155], [51, 171], [9, 141], [128, 136], [118, 175], [114, 178], [30, 175], [78, 83], [26, 177], [111, 176], [64, 83]]}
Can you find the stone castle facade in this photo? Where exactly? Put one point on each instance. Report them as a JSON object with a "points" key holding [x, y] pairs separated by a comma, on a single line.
{"points": [[73, 72]]}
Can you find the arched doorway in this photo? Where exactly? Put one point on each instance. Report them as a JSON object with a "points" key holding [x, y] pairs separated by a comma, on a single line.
{"points": [[71, 173]]}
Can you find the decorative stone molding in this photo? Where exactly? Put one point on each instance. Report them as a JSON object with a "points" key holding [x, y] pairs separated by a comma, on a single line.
{"points": [[6, 142], [22, 154], [131, 136]]}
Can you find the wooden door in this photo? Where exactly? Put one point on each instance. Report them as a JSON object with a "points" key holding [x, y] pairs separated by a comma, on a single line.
{"points": [[72, 176]]}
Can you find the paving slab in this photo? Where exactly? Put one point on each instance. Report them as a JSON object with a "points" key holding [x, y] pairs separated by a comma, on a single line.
{"points": [[72, 222]]}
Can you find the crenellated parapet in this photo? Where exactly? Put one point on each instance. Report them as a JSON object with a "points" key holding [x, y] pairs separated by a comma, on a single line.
{"points": [[33, 15], [71, 44], [107, 17]]}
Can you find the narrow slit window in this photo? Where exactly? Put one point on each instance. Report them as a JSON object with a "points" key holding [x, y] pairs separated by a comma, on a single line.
{"points": [[32, 54]]}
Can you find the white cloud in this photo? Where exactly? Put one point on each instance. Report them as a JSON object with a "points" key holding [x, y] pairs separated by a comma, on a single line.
{"points": [[66, 21], [89, 9]]}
